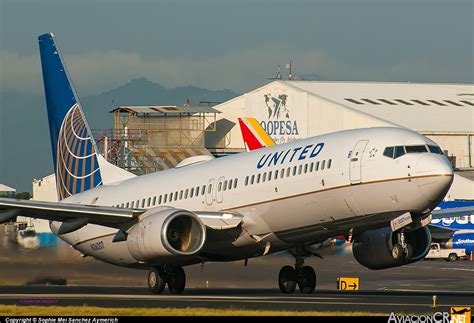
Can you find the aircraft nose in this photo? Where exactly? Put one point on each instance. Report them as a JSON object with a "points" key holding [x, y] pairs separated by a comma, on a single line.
{"points": [[435, 176]]}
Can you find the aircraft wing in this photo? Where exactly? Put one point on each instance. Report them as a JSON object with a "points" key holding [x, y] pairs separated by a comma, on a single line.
{"points": [[65, 212], [78, 215], [452, 212]]}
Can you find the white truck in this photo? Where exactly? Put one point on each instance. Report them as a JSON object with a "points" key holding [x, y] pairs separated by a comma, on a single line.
{"points": [[436, 252]]}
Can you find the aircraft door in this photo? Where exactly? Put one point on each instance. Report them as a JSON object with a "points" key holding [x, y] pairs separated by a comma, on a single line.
{"points": [[209, 191], [355, 164], [220, 190]]}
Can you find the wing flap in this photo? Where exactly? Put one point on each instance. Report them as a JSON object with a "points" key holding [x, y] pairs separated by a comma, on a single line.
{"points": [[220, 220]]}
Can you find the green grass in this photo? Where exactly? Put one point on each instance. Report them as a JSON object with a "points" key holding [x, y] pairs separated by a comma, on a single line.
{"points": [[13, 310]]}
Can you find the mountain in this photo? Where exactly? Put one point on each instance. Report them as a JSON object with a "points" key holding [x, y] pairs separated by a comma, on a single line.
{"points": [[24, 135]]}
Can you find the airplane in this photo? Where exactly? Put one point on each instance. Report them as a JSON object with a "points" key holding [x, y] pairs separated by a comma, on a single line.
{"points": [[454, 231], [451, 232], [381, 183]]}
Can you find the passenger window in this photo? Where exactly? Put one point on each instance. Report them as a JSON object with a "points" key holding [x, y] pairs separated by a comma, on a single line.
{"points": [[294, 170], [166, 198], [317, 167], [203, 189], [276, 174], [225, 185], [159, 200], [191, 193], [305, 168], [126, 205], [311, 167], [258, 178], [322, 164], [235, 183], [264, 177], [269, 175], [230, 185], [399, 151], [148, 202], [329, 163], [300, 168], [288, 170], [186, 193], [388, 152], [246, 180], [154, 200], [209, 189], [252, 180], [219, 187]]}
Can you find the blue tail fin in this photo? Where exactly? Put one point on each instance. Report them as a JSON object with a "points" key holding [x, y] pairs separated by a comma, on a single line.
{"points": [[74, 150]]}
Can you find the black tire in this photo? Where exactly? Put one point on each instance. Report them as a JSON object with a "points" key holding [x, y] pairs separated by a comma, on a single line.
{"points": [[408, 252], [156, 281], [177, 280], [287, 279], [452, 257], [398, 252], [307, 281]]}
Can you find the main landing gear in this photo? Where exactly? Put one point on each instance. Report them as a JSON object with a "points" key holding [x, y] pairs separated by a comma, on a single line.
{"points": [[303, 276], [402, 251], [158, 277]]}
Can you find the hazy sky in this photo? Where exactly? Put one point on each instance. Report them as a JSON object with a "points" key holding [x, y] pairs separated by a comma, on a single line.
{"points": [[237, 44]]}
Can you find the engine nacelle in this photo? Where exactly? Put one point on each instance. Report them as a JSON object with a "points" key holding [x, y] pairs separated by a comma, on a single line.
{"points": [[373, 248], [166, 232]]}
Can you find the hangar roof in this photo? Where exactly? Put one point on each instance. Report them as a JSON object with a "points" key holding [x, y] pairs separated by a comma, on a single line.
{"points": [[422, 107], [5, 188], [164, 109]]}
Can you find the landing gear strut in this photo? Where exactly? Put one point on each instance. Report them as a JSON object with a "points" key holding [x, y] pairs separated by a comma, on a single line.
{"points": [[302, 275], [402, 251], [158, 277]]}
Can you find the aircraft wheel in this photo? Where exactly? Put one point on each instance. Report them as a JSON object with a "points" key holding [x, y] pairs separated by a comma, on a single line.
{"points": [[307, 280], [287, 279], [398, 252], [156, 281], [177, 280]]}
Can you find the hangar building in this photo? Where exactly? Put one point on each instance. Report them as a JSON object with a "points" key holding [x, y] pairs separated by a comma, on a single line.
{"points": [[290, 110]]}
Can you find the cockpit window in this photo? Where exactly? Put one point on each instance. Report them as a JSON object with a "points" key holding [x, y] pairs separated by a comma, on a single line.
{"points": [[399, 151], [416, 149], [435, 149], [388, 152]]}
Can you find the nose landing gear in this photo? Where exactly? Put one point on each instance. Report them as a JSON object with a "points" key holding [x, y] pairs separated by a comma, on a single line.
{"points": [[303, 276], [158, 277]]}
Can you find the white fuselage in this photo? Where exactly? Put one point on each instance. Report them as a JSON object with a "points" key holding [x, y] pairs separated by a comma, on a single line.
{"points": [[361, 187]]}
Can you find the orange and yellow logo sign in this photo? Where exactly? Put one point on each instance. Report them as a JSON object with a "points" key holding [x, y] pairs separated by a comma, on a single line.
{"points": [[460, 314]]}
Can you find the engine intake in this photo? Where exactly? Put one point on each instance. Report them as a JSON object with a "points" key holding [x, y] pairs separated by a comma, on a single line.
{"points": [[373, 248], [166, 232]]}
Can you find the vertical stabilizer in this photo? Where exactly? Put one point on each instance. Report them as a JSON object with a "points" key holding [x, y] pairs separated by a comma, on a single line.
{"points": [[77, 163]]}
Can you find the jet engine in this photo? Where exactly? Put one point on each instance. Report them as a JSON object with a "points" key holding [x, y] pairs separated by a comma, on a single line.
{"points": [[380, 249], [164, 233]]}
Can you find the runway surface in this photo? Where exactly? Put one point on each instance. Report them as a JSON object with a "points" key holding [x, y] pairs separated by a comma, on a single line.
{"points": [[260, 299]]}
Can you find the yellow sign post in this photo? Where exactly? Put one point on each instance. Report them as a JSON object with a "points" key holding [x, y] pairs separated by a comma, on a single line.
{"points": [[348, 283]]}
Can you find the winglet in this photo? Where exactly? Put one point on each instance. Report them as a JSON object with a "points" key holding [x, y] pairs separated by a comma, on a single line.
{"points": [[254, 135]]}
